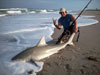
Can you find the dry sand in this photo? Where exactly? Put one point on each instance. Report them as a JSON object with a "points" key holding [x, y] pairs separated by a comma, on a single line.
{"points": [[83, 58]]}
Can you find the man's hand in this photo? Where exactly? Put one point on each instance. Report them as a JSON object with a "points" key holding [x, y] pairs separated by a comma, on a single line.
{"points": [[54, 21], [58, 26]]}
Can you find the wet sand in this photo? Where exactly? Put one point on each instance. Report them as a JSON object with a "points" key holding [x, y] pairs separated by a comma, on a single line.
{"points": [[81, 59]]}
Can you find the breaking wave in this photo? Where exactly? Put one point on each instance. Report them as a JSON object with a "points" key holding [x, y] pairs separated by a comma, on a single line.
{"points": [[24, 10]]}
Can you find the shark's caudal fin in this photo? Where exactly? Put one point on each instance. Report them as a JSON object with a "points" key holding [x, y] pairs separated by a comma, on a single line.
{"points": [[42, 42], [71, 38]]}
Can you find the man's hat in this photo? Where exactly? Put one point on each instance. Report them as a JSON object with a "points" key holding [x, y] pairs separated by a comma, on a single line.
{"points": [[62, 10]]}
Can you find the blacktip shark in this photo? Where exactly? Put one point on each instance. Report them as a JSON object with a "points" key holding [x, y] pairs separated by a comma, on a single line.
{"points": [[41, 50]]}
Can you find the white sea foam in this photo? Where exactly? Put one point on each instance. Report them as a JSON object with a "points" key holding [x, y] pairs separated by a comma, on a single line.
{"points": [[86, 16], [2, 15], [25, 10], [23, 30], [43, 11], [32, 12], [14, 12], [86, 22]]}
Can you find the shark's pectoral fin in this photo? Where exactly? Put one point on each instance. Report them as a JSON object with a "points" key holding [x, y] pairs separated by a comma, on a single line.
{"points": [[33, 62], [42, 42]]}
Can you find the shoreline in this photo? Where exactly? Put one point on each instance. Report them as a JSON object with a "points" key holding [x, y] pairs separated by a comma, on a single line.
{"points": [[74, 60]]}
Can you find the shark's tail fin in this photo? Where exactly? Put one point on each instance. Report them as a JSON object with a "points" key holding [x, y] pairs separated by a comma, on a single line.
{"points": [[71, 38]]}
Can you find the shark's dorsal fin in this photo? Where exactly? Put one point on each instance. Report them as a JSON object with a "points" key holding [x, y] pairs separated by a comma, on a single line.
{"points": [[42, 42]]}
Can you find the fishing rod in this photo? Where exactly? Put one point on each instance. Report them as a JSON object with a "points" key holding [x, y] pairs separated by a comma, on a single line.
{"points": [[65, 31], [81, 11]]}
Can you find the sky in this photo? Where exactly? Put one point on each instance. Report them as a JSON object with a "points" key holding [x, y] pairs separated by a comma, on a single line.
{"points": [[49, 4]]}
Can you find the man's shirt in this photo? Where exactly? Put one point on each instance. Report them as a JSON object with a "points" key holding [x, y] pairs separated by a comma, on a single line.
{"points": [[66, 21]]}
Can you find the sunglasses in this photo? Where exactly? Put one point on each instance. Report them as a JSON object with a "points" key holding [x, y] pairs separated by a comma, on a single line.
{"points": [[61, 12]]}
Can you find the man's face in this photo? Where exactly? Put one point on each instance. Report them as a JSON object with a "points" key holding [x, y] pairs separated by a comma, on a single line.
{"points": [[63, 14]]}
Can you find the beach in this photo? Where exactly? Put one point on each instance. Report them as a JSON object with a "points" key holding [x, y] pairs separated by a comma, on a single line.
{"points": [[21, 31], [81, 59]]}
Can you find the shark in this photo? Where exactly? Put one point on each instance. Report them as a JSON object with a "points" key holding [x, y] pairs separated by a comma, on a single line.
{"points": [[41, 50]]}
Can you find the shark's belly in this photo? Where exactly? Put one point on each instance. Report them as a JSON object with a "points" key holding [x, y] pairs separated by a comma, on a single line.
{"points": [[45, 52]]}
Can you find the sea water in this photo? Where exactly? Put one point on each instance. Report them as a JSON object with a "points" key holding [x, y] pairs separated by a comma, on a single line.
{"points": [[20, 30]]}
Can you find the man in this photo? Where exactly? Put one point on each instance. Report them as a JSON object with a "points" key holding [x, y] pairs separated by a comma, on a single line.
{"points": [[66, 21]]}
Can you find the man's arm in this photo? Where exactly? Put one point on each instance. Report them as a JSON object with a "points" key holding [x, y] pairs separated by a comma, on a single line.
{"points": [[75, 23], [57, 26]]}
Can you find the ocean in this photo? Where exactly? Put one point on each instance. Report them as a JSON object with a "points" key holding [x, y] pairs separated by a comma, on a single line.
{"points": [[23, 28]]}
